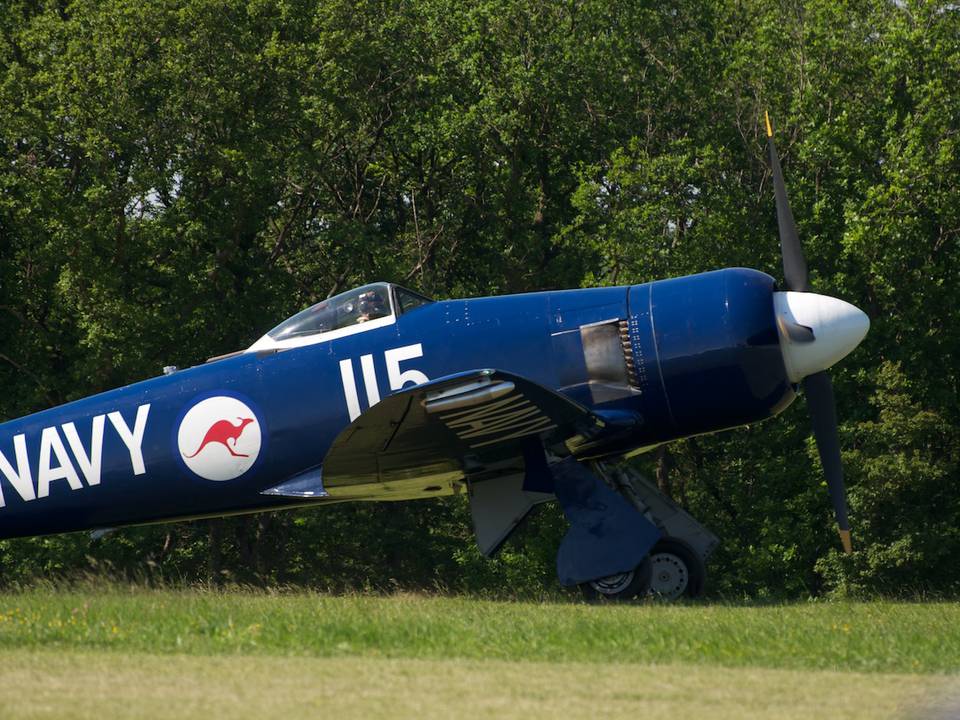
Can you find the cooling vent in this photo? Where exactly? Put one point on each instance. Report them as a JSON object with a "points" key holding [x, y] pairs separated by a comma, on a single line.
{"points": [[627, 347]]}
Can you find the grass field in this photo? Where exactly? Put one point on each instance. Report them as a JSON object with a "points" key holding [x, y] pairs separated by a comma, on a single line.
{"points": [[167, 654]]}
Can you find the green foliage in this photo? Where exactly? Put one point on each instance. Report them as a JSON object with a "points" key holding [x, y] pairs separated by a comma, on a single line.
{"points": [[175, 177], [905, 459]]}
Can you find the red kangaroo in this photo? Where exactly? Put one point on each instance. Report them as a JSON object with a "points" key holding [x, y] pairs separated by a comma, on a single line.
{"points": [[222, 431]]}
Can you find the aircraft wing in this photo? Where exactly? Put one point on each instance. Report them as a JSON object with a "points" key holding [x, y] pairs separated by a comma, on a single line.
{"points": [[431, 435]]}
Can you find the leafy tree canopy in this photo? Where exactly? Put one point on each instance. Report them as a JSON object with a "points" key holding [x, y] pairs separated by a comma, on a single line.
{"points": [[177, 176]]}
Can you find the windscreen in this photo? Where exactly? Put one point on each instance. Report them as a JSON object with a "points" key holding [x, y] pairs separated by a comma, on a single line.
{"points": [[408, 300]]}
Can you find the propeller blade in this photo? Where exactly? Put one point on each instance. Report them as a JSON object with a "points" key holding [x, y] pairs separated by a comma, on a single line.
{"points": [[819, 393], [795, 331], [794, 264]]}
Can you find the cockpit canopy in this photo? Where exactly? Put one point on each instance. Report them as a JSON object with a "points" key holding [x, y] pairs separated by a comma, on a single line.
{"points": [[363, 308], [353, 307]]}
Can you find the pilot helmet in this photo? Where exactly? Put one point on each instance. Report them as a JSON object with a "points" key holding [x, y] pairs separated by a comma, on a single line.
{"points": [[371, 303]]}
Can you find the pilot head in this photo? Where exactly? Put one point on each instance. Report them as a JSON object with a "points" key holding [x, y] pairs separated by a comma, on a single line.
{"points": [[371, 306]]}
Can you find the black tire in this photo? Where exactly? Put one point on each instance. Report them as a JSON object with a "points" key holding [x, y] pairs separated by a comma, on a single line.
{"points": [[677, 571], [620, 587]]}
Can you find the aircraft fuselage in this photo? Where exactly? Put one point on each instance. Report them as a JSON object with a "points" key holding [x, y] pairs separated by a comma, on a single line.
{"points": [[681, 356]]}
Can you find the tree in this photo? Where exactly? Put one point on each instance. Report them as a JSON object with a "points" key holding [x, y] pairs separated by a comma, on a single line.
{"points": [[177, 177]]}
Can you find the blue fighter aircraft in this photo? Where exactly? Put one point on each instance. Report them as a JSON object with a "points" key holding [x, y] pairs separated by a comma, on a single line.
{"points": [[380, 393]]}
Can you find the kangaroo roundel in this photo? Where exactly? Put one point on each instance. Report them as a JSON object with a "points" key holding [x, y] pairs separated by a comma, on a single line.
{"points": [[219, 438]]}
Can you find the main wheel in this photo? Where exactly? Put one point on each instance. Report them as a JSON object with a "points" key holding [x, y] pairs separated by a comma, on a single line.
{"points": [[622, 586], [677, 571]]}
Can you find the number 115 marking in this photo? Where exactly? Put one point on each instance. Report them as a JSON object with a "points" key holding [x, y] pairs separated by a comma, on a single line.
{"points": [[396, 377]]}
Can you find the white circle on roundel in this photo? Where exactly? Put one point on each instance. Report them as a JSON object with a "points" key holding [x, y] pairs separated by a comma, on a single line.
{"points": [[219, 438]]}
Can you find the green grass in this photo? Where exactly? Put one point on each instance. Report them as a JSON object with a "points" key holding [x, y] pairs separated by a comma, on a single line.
{"points": [[869, 637], [192, 655]]}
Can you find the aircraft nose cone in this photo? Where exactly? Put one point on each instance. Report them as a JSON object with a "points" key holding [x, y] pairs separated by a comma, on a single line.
{"points": [[835, 328]]}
